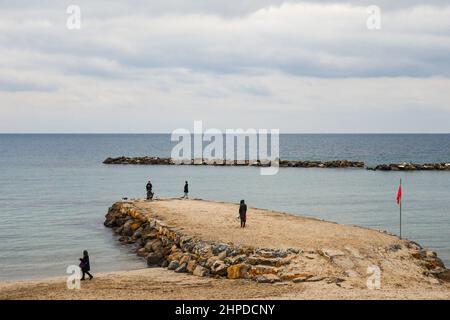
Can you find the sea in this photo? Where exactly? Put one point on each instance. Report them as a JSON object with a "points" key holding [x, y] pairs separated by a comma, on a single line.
{"points": [[55, 192]]}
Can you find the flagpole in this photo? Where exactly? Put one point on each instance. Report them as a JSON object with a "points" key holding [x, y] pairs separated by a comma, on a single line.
{"points": [[400, 211]]}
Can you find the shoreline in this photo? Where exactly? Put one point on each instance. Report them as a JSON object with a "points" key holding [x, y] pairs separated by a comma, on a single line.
{"points": [[161, 284]]}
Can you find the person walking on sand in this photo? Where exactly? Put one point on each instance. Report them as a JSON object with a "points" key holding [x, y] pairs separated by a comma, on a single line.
{"points": [[243, 213], [149, 188], [85, 265], [186, 190]]}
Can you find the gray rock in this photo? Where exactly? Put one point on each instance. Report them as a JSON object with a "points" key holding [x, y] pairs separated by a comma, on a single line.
{"points": [[164, 264], [182, 268], [267, 278], [173, 265], [154, 259], [218, 248], [235, 259], [153, 245], [137, 234]]}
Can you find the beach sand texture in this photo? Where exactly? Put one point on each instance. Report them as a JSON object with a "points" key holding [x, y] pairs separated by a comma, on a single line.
{"points": [[336, 256]]}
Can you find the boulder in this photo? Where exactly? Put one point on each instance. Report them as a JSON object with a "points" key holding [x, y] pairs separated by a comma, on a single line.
{"points": [[173, 265], [142, 252], [175, 256], [218, 248], [417, 254], [127, 230], [433, 263], [165, 264], [267, 278], [443, 274], [181, 268], [283, 261], [211, 261], [270, 253], [137, 234], [261, 269], [134, 226], [192, 264], [200, 271], [185, 259], [236, 259], [254, 260], [222, 255], [154, 259], [153, 245], [238, 271], [219, 268], [124, 239]]}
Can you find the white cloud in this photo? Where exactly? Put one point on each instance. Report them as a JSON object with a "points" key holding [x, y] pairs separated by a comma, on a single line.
{"points": [[300, 67]]}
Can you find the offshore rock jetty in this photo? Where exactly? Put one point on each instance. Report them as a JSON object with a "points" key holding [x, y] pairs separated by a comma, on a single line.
{"points": [[408, 166], [404, 166], [202, 238], [218, 162]]}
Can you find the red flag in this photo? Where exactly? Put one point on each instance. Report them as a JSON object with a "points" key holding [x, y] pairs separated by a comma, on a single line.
{"points": [[399, 194]]}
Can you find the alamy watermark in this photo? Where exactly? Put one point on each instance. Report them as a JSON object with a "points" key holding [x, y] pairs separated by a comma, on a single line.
{"points": [[74, 19], [74, 279], [242, 147], [374, 280], [374, 20]]}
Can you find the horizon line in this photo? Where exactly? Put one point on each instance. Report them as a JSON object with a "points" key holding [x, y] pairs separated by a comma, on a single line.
{"points": [[148, 133]]}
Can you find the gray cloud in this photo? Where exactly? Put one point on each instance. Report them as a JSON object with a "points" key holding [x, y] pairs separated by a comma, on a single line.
{"points": [[187, 59]]}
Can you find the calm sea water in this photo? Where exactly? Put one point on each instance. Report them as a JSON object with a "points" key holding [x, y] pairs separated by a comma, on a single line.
{"points": [[55, 191]]}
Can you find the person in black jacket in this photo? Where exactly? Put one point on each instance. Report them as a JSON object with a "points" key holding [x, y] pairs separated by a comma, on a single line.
{"points": [[243, 213], [85, 265], [149, 188], [186, 189]]}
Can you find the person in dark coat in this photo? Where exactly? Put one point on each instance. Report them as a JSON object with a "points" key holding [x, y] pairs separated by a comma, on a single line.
{"points": [[186, 189], [85, 265], [243, 213], [149, 188]]}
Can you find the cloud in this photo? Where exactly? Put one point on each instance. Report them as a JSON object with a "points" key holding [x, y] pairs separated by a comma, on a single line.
{"points": [[168, 63]]}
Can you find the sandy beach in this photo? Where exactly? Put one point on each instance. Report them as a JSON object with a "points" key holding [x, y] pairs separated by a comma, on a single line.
{"points": [[159, 283], [335, 256]]}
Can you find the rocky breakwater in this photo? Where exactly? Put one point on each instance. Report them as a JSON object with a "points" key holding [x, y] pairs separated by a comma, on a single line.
{"points": [[166, 246], [219, 162], [321, 164], [408, 166]]}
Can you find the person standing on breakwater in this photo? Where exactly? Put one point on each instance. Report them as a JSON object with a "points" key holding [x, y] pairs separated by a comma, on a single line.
{"points": [[149, 188], [85, 265], [243, 213], [186, 190]]}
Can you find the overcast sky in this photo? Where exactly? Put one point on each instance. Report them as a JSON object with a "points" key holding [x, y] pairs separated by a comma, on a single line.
{"points": [[154, 66]]}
